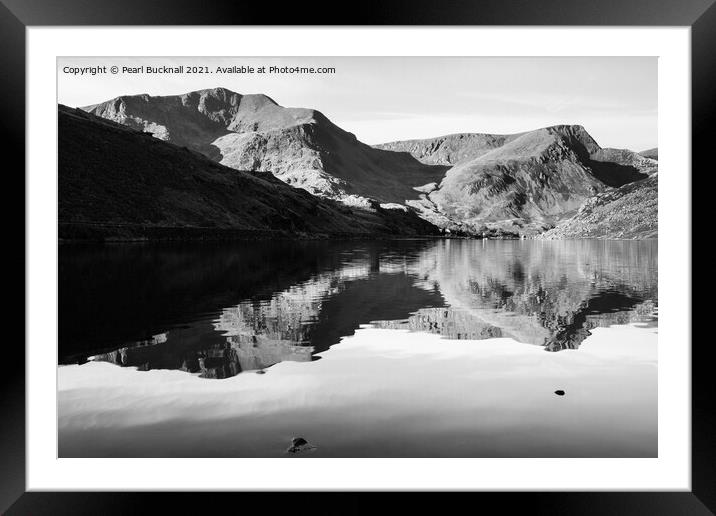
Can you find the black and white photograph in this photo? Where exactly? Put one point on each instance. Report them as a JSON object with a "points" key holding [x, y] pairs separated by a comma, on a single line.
{"points": [[357, 257]]}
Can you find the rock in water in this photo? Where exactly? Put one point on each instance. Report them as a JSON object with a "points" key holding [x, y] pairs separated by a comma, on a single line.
{"points": [[559, 392], [299, 444]]}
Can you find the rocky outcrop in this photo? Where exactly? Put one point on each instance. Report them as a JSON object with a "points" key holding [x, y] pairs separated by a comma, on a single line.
{"points": [[125, 182], [628, 212]]}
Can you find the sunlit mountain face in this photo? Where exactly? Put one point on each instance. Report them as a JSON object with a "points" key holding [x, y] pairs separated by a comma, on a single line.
{"points": [[221, 310]]}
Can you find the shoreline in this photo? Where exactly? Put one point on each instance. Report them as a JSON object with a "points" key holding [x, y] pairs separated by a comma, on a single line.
{"points": [[109, 233], [101, 232]]}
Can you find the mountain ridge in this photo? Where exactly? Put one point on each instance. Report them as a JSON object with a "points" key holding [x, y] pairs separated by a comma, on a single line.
{"points": [[466, 182], [300, 146], [651, 153]]}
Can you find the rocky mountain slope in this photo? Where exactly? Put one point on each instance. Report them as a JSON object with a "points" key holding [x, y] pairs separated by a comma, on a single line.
{"points": [[252, 132], [525, 181], [118, 182], [629, 212], [651, 153]]}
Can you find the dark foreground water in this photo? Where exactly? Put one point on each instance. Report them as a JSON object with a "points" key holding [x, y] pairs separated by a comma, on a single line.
{"points": [[376, 349]]}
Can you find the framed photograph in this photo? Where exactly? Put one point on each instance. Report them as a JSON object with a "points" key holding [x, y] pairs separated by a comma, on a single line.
{"points": [[416, 253]]}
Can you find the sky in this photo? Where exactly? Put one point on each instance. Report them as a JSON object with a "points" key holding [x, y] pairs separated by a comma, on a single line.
{"points": [[382, 99]]}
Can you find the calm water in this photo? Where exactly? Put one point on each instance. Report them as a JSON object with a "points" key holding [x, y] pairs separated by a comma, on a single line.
{"points": [[391, 348]]}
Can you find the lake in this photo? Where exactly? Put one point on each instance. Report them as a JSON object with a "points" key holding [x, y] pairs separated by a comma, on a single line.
{"points": [[402, 348]]}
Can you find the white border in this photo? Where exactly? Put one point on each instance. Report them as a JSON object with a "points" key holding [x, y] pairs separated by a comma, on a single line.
{"points": [[670, 471]]}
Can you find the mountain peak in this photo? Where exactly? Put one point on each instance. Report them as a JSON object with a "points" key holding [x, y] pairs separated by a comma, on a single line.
{"points": [[550, 142], [220, 90], [576, 133], [231, 97], [202, 115], [216, 97]]}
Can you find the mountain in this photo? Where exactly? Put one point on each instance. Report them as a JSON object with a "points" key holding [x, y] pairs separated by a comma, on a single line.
{"points": [[628, 212], [651, 153], [530, 179], [115, 181], [302, 147], [469, 183], [614, 167]]}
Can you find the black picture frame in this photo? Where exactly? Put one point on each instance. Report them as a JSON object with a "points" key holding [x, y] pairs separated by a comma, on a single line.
{"points": [[17, 15]]}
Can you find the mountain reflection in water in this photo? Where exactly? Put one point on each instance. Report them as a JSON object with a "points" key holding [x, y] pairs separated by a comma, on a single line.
{"points": [[220, 309]]}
